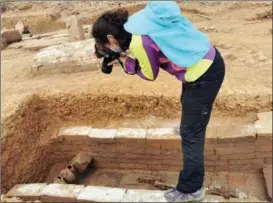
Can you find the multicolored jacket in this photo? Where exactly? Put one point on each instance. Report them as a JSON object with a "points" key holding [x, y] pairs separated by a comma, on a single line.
{"points": [[150, 58]]}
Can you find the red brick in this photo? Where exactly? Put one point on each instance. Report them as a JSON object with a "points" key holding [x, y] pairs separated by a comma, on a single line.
{"points": [[211, 141], [225, 145], [256, 162], [133, 166], [107, 165], [244, 144], [170, 151], [106, 148], [130, 140], [244, 167], [211, 157], [267, 147], [209, 152], [172, 162], [157, 167], [237, 180], [268, 161], [104, 160], [98, 155], [149, 156], [155, 146], [174, 168], [220, 168], [167, 144], [146, 161], [263, 154], [125, 149], [152, 151], [237, 156], [234, 150], [216, 163], [210, 168]]}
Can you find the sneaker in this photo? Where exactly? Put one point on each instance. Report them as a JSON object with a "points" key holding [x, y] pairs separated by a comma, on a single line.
{"points": [[174, 195]]}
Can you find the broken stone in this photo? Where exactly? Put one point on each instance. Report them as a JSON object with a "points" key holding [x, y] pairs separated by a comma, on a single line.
{"points": [[76, 55], [11, 36], [75, 29], [81, 161]]}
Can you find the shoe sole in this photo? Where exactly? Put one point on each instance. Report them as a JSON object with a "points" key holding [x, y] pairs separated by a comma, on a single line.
{"points": [[200, 199]]}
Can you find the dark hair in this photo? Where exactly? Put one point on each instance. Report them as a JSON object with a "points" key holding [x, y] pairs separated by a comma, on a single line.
{"points": [[111, 22]]}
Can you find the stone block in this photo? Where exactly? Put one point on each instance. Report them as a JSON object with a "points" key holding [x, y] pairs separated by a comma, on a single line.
{"points": [[27, 192], [139, 195], [76, 133], [163, 136], [236, 133], [75, 55], [75, 29], [135, 135], [101, 194], [61, 193], [103, 135], [77, 130], [159, 132], [81, 161]]}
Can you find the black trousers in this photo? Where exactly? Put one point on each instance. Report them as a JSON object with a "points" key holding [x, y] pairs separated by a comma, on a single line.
{"points": [[197, 100]]}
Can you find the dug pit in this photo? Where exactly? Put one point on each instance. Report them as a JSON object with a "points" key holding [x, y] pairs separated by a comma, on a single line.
{"points": [[43, 136]]}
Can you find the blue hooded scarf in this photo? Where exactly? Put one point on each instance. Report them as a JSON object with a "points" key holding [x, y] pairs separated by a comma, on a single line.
{"points": [[174, 34]]}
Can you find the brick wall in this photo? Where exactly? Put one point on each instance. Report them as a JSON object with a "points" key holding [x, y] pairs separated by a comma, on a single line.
{"points": [[236, 148]]}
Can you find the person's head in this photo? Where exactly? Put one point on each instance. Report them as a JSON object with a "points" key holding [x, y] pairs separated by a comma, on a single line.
{"points": [[109, 33]]}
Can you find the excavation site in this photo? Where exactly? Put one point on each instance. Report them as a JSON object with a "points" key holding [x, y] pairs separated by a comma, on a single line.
{"points": [[73, 134]]}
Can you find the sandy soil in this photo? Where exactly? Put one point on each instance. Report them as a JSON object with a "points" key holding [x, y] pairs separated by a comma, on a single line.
{"points": [[33, 106], [247, 50]]}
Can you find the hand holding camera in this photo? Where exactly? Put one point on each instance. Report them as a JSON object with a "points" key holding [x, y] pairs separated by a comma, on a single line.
{"points": [[109, 59]]}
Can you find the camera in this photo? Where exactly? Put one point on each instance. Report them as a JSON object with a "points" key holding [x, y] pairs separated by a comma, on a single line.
{"points": [[108, 56]]}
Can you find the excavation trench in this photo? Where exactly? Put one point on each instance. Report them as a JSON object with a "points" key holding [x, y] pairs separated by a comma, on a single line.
{"points": [[45, 133]]}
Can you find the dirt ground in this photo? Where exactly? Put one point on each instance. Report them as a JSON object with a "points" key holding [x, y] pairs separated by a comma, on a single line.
{"points": [[31, 105], [247, 50]]}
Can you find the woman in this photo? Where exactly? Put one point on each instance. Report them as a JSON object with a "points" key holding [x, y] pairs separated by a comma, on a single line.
{"points": [[159, 37]]}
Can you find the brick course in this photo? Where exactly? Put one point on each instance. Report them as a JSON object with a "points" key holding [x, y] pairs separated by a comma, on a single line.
{"points": [[160, 148]]}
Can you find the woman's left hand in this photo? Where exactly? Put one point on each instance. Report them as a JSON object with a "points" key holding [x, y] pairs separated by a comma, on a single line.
{"points": [[122, 58]]}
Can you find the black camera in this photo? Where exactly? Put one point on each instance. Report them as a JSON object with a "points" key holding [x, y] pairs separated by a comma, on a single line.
{"points": [[108, 56]]}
